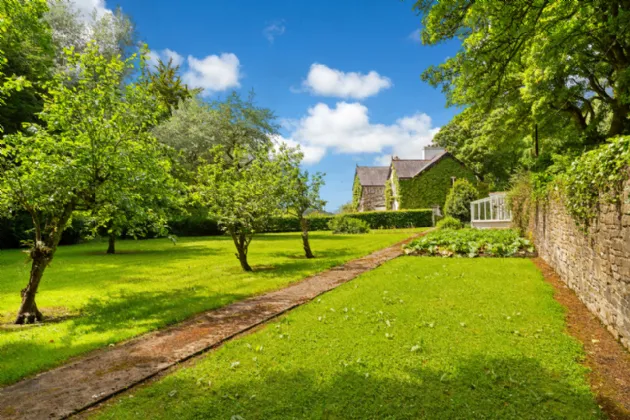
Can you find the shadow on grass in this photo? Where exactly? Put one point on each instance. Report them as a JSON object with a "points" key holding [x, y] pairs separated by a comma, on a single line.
{"points": [[102, 321], [474, 388], [149, 309]]}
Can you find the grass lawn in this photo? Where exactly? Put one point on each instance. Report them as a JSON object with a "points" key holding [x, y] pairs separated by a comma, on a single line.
{"points": [[100, 299], [418, 337]]}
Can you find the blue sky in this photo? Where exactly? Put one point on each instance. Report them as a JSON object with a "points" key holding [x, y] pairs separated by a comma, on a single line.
{"points": [[343, 76]]}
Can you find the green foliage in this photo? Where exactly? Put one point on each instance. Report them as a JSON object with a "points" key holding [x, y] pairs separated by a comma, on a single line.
{"points": [[150, 285], [471, 243], [196, 127], [26, 58], [168, 87], [597, 175], [94, 149], [416, 338], [519, 200], [206, 225], [389, 196], [343, 223], [558, 69], [243, 193], [301, 191], [431, 187], [449, 223], [459, 198], [392, 190], [357, 190]]}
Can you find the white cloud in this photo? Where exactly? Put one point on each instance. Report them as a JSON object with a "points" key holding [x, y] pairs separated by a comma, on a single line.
{"points": [[213, 73], [415, 36], [165, 55], [87, 7], [312, 154], [324, 81], [346, 128], [274, 30]]}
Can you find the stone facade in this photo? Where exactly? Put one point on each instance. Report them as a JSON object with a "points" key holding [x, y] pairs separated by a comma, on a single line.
{"points": [[372, 198], [595, 265]]}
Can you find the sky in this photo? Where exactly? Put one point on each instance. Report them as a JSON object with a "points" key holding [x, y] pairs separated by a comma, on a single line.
{"points": [[342, 76]]}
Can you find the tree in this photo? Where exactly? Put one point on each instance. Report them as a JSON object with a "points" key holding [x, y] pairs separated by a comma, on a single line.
{"points": [[459, 198], [114, 33], [94, 146], [196, 127], [26, 57], [243, 191], [559, 69], [169, 88], [300, 192]]}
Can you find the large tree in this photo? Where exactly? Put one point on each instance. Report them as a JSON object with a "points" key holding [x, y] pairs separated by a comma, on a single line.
{"points": [[559, 68], [196, 127], [94, 145]]}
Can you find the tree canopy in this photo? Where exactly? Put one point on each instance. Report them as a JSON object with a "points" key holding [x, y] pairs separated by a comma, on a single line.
{"points": [[556, 72], [94, 147]]}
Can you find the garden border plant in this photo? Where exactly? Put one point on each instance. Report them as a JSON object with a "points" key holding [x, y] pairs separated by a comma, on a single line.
{"points": [[471, 243]]}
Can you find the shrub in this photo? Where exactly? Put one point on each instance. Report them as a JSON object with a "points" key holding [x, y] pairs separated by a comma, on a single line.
{"points": [[449, 223], [458, 200], [471, 243], [346, 224], [519, 201]]}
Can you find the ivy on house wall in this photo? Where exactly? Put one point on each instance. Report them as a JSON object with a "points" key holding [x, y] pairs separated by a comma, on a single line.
{"points": [[389, 196], [356, 193], [431, 186]]}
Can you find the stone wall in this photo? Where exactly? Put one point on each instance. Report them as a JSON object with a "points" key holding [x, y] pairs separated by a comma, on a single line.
{"points": [[372, 198], [595, 265]]}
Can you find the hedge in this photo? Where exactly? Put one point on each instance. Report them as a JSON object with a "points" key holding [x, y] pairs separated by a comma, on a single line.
{"points": [[375, 219], [17, 229]]}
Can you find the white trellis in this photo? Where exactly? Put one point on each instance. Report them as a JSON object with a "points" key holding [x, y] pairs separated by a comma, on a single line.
{"points": [[490, 212]]}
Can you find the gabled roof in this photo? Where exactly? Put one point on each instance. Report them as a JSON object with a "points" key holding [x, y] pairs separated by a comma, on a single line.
{"points": [[373, 176], [409, 168]]}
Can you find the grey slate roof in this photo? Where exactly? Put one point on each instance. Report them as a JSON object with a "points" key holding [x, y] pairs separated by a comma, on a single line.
{"points": [[409, 168], [373, 175]]}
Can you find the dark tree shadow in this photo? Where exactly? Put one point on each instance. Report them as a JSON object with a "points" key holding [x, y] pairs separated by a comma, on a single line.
{"points": [[476, 388]]}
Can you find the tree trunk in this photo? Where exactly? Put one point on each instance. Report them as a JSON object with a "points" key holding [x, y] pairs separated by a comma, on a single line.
{"points": [[111, 249], [307, 245], [241, 243], [28, 312], [41, 254]]}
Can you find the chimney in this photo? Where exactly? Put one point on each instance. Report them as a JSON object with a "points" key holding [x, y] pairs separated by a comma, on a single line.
{"points": [[432, 151]]}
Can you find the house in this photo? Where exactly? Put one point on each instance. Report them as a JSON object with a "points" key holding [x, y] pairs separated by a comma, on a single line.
{"points": [[409, 183]]}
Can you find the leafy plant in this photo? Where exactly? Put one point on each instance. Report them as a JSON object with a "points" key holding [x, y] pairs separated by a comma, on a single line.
{"points": [[431, 187], [596, 175], [458, 200], [449, 223], [471, 243], [346, 224]]}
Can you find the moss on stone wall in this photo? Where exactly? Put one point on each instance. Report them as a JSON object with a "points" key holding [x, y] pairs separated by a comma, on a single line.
{"points": [[431, 187]]}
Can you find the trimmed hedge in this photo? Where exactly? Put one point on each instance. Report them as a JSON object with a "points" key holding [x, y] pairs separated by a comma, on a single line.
{"points": [[375, 219], [17, 229]]}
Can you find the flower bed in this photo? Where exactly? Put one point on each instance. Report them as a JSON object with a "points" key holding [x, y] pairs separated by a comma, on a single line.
{"points": [[471, 243]]}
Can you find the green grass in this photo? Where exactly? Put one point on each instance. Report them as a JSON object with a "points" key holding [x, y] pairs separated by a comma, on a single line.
{"points": [[97, 299], [416, 338]]}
